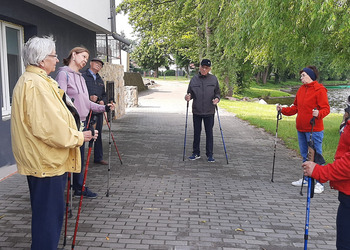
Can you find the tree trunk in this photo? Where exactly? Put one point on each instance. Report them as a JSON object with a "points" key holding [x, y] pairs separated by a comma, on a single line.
{"points": [[207, 33], [229, 87]]}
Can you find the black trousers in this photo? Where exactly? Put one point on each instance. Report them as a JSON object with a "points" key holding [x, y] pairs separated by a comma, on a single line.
{"points": [[208, 125], [47, 202], [343, 222]]}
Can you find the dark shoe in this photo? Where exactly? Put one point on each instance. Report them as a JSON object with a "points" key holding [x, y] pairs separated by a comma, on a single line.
{"points": [[211, 159], [101, 162], [87, 193], [194, 157]]}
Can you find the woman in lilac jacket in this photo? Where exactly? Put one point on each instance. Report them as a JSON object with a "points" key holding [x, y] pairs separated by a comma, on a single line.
{"points": [[72, 82]]}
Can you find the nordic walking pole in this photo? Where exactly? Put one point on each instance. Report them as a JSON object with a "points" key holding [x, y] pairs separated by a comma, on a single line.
{"points": [[115, 145], [279, 117], [183, 157], [312, 122], [310, 190], [222, 135], [307, 219], [91, 142], [67, 205], [109, 155]]}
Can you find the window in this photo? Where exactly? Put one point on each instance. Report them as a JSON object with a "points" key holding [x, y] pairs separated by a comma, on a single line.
{"points": [[11, 65]]}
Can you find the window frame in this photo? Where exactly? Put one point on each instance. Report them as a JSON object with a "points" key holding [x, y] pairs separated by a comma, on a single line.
{"points": [[6, 109]]}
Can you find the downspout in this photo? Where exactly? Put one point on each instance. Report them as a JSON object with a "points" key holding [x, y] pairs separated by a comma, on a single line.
{"points": [[113, 26]]}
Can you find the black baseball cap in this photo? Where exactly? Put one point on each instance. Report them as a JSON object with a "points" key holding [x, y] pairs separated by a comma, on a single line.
{"points": [[206, 62], [97, 60]]}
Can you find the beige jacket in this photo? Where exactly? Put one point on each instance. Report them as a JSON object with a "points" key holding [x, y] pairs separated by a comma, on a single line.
{"points": [[45, 139]]}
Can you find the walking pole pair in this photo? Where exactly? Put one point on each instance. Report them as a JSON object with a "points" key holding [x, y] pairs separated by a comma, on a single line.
{"points": [[91, 142], [222, 135], [279, 117], [70, 195]]}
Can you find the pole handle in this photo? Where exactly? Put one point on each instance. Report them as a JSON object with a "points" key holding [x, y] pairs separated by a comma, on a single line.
{"points": [[279, 115]]}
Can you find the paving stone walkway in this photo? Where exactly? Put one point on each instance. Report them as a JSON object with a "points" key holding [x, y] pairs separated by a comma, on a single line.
{"points": [[158, 201]]}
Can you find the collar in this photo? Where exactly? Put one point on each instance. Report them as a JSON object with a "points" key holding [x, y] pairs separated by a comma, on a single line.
{"points": [[42, 73]]}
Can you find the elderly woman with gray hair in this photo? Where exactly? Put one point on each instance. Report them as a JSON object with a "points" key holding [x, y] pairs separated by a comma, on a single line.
{"points": [[45, 140]]}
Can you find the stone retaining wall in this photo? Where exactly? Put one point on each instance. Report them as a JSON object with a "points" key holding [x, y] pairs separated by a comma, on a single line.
{"points": [[115, 73]]}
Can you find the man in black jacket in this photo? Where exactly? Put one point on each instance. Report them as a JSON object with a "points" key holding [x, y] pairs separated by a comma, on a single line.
{"points": [[97, 94], [204, 90]]}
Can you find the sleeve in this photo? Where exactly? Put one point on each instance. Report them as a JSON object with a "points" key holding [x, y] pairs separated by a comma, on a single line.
{"points": [[45, 121], [292, 110], [189, 89], [336, 171], [97, 107], [322, 103], [217, 90], [61, 78]]}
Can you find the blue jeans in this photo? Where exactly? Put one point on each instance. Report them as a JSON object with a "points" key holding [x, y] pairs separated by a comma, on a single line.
{"points": [[304, 137]]}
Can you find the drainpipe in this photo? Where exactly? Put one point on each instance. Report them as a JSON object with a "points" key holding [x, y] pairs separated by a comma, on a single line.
{"points": [[113, 26]]}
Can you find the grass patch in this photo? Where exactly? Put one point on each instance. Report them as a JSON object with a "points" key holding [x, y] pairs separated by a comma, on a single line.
{"points": [[264, 116]]}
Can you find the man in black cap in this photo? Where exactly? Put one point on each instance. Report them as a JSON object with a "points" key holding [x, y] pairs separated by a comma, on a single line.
{"points": [[97, 94], [205, 91]]}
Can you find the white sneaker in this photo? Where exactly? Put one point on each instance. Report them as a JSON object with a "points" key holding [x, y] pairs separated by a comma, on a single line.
{"points": [[319, 188], [299, 182]]}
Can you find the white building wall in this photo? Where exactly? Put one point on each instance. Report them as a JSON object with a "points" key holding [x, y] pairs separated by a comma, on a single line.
{"points": [[91, 14]]}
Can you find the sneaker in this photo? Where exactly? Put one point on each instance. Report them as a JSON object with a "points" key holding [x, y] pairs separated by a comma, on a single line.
{"points": [[194, 157], [211, 159], [319, 188], [87, 193], [299, 182]]}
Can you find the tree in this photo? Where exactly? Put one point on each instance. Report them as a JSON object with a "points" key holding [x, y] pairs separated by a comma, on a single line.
{"points": [[150, 55]]}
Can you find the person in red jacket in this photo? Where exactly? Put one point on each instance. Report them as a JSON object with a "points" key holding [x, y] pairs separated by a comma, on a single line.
{"points": [[311, 100], [338, 173]]}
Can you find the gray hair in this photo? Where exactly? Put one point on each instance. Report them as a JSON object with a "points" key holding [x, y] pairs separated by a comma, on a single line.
{"points": [[36, 49]]}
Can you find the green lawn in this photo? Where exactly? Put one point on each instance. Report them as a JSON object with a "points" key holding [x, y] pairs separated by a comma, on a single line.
{"points": [[264, 116]]}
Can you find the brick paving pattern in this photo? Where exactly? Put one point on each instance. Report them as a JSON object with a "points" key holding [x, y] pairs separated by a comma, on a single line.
{"points": [[158, 201]]}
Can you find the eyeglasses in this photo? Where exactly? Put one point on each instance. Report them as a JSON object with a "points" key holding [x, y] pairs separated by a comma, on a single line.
{"points": [[53, 56]]}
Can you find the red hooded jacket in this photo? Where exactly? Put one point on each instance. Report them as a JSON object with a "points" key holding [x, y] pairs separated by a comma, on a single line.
{"points": [[338, 172], [309, 96]]}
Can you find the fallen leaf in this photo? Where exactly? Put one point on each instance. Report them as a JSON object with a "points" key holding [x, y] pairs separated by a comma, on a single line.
{"points": [[239, 229], [203, 221], [107, 238]]}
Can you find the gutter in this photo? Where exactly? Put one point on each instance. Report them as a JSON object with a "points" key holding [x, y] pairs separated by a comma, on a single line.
{"points": [[113, 26]]}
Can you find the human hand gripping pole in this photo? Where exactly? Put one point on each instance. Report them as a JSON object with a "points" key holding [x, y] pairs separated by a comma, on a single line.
{"points": [[279, 117], [91, 142]]}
